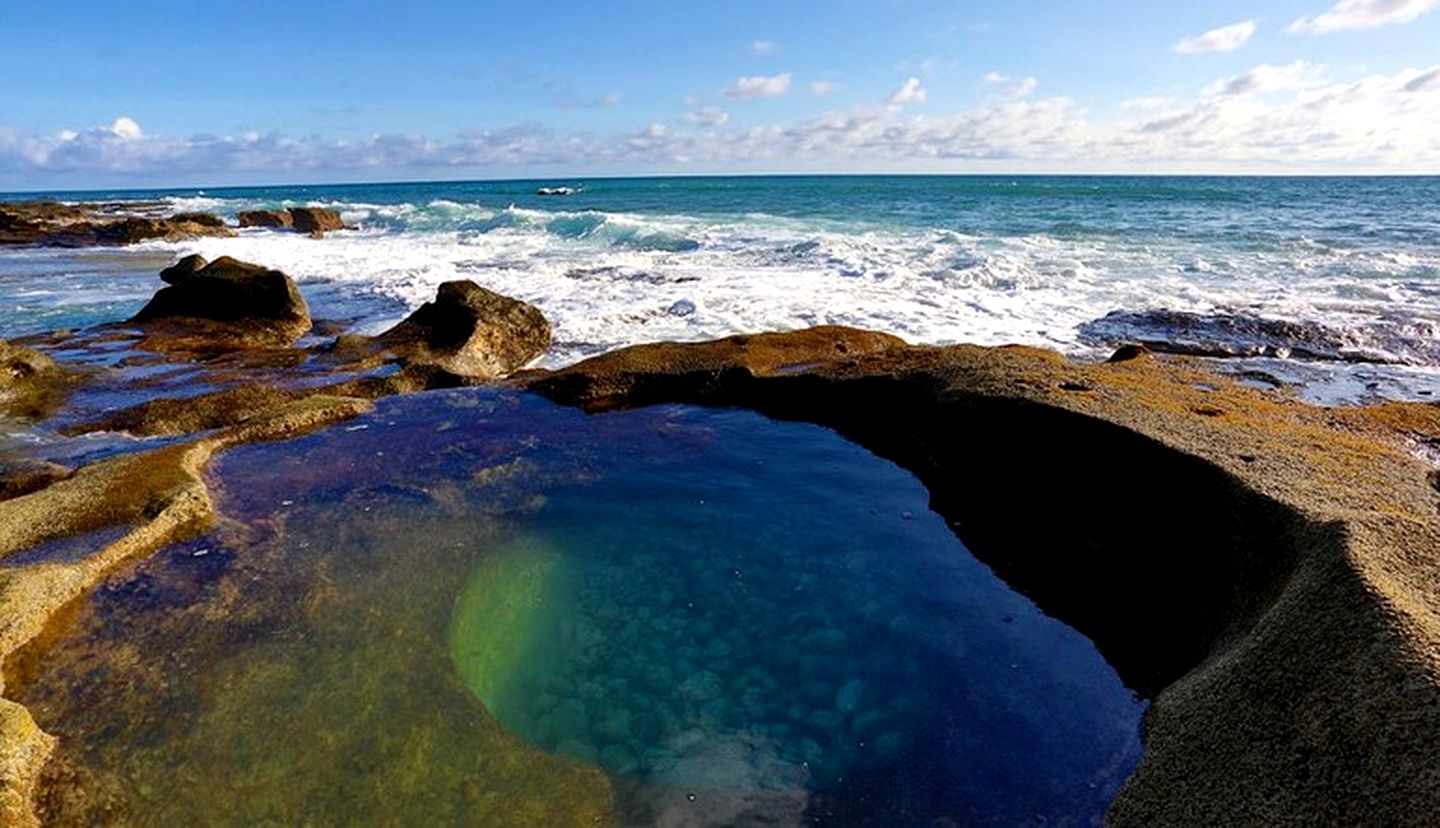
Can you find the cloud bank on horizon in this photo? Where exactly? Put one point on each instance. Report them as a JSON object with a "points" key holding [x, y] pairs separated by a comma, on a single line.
{"points": [[1259, 94]]}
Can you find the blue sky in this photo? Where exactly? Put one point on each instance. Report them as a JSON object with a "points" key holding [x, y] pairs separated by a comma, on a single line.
{"points": [[142, 93]]}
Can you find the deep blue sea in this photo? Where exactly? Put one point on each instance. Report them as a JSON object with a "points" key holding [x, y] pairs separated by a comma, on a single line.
{"points": [[1329, 283]]}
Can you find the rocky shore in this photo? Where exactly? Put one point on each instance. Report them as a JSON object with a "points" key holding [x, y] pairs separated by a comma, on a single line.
{"points": [[57, 224], [1263, 570]]}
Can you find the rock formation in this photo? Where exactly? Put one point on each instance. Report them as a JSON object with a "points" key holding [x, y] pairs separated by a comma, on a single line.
{"points": [[255, 305], [52, 224], [470, 331], [312, 220]]}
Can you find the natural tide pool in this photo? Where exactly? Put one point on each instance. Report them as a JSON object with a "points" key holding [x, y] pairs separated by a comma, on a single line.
{"points": [[434, 611]]}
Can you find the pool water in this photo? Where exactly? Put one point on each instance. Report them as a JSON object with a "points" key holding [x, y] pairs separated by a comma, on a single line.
{"points": [[765, 610], [675, 616]]}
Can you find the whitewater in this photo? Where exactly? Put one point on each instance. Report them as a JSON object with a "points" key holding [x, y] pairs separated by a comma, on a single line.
{"points": [[1329, 284]]}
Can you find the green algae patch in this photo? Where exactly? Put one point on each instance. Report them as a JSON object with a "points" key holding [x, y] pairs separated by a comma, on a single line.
{"points": [[502, 618]]}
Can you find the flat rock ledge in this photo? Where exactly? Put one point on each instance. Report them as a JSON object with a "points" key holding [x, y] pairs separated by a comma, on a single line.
{"points": [[1265, 571], [53, 224]]}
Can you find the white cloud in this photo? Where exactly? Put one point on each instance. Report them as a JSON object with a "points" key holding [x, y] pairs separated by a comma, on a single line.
{"points": [[1362, 14], [909, 92], [1268, 78], [126, 129], [1017, 88], [709, 116], [1380, 122], [760, 86], [764, 47], [1224, 39], [820, 88]]}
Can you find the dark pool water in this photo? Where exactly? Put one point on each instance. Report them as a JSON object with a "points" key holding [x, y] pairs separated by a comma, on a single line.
{"points": [[735, 620], [764, 608]]}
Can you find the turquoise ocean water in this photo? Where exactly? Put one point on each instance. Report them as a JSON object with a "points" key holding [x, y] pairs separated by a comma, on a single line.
{"points": [[1332, 283]]}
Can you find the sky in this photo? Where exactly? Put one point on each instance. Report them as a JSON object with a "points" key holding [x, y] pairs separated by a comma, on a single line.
{"points": [[152, 93]]}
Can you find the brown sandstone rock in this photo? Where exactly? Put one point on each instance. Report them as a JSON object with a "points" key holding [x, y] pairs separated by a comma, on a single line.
{"points": [[23, 476], [470, 331], [31, 384], [315, 220], [265, 218], [256, 305], [183, 269], [89, 225]]}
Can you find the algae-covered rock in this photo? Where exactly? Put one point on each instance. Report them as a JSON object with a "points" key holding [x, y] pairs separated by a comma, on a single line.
{"points": [[31, 384], [501, 615], [24, 747], [470, 331], [21, 476]]}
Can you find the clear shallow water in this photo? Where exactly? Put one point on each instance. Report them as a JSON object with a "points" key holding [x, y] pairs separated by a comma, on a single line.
{"points": [[808, 644], [988, 259]]}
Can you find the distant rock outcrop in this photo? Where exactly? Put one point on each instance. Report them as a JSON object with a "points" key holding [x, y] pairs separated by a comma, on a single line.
{"points": [[50, 224], [312, 220], [253, 305], [470, 331]]}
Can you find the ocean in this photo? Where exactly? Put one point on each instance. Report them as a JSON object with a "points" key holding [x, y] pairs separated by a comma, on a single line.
{"points": [[1329, 284]]}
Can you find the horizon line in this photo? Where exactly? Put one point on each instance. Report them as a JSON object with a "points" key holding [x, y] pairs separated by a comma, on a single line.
{"points": [[786, 174]]}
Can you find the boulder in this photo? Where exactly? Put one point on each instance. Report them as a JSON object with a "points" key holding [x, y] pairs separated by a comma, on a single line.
{"points": [[183, 269], [257, 305], [470, 331], [31, 384], [265, 218], [315, 220]]}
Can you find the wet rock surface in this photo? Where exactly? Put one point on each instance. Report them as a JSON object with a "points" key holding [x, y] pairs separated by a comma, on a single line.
{"points": [[1240, 335]]}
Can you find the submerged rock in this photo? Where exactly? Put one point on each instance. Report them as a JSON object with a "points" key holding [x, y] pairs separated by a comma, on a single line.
{"points": [[470, 331], [257, 305]]}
